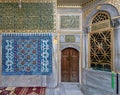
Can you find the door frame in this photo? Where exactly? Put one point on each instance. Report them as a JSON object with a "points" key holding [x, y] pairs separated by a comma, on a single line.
{"points": [[80, 65]]}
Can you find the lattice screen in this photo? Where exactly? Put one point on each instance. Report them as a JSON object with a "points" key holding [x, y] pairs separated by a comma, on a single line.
{"points": [[101, 50], [101, 16], [100, 45]]}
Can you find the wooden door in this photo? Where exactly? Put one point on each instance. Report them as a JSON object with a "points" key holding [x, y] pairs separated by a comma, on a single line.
{"points": [[70, 65]]}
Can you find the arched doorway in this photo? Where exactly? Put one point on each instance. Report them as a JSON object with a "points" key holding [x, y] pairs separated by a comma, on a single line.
{"points": [[70, 65]]}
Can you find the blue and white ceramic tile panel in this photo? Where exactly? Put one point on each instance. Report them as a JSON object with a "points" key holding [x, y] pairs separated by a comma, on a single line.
{"points": [[46, 70], [26, 54]]}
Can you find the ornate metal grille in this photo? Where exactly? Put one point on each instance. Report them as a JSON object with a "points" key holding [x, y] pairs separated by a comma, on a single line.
{"points": [[100, 50], [100, 45], [100, 16]]}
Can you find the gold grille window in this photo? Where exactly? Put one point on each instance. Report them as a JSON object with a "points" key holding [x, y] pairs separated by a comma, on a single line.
{"points": [[101, 16], [100, 44], [100, 50]]}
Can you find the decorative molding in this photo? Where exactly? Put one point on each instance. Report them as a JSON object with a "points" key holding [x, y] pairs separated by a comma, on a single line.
{"points": [[75, 3], [27, 1], [61, 6]]}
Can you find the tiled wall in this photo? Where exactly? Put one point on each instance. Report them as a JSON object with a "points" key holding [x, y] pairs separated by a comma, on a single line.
{"points": [[31, 16]]}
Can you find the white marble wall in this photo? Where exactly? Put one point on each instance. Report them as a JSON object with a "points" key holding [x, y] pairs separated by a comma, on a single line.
{"points": [[99, 83]]}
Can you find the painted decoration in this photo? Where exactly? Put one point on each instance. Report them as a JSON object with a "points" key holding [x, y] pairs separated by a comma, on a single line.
{"points": [[26, 54], [31, 16], [70, 22], [70, 39]]}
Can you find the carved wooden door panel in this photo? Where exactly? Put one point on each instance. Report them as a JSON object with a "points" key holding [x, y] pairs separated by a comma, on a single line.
{"points": [[70, 65]]}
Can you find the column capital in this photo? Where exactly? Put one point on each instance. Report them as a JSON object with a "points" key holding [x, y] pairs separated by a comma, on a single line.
{"points": [[115, 22]]}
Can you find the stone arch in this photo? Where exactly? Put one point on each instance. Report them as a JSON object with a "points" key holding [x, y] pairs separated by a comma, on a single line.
{"points": [[99, 27], [112, 10], [70, 46]]}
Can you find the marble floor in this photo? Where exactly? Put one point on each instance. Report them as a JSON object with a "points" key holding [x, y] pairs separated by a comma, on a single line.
{"points": [[70, 89], [65, 89]]}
